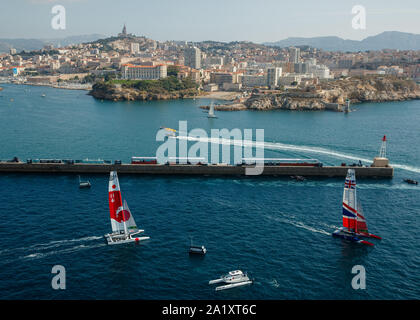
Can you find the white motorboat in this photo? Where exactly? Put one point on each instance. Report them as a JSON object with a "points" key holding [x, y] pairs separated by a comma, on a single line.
{"points": [[124, 228], [233, 279], [84, 184]]}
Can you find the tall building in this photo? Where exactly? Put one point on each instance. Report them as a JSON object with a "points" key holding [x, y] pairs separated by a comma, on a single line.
{"points": [[192, 57], [294, 54], [273, 75], [302, 67]]}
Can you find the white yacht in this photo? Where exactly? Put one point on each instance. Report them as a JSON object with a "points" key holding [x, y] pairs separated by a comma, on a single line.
{"points": [[233, 279]]}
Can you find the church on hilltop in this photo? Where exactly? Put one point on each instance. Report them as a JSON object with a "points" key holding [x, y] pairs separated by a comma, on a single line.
{"points": [[124, 33]]}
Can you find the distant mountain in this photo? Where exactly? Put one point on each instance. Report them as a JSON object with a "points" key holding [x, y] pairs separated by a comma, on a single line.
{"points": [[36, 44], [385, 40]]}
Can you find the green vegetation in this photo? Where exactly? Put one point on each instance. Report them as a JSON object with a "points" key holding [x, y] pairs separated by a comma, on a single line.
{"points": [[173, 71], [169, 84], [26, 54]]}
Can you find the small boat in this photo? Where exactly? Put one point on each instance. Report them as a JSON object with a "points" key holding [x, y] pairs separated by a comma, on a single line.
{"points": [[169, 131], [410, 181], [233, 279], [197, 249], [298, 178], [124, 228], [84, 184], [211, 111], [347, 107], [43, 95], [354, 223]]}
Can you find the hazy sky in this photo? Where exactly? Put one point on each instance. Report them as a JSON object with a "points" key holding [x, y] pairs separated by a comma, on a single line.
{"points": [[197, 20]]}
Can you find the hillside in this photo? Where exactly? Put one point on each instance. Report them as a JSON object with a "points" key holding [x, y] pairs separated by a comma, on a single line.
{"points": [[385, 40]]}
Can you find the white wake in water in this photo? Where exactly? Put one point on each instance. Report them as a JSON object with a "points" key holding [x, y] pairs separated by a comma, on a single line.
{"points": [[38, 255], [290, 147], [50, 245], [298, 224]]}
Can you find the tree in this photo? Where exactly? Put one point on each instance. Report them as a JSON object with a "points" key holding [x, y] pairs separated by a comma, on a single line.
{"points": [[172, 71]]}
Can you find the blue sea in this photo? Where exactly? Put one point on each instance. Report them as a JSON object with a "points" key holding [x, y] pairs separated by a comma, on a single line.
{"points": [[276, 229]]}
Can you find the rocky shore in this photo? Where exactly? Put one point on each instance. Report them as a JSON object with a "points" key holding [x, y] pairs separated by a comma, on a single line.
{"points": [[330, 95], [115, 92]]}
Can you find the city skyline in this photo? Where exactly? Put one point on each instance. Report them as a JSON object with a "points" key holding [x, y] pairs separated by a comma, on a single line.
{"points": [[200, 21]]}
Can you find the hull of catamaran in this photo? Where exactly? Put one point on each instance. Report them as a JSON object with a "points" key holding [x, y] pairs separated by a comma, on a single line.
{"points": [[349, 236], [234, 285], [119, 240]]}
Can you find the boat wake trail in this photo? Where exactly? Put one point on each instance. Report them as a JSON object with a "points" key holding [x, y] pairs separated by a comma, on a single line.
{"points": [[38, 255], [45, 249], [298, 224], [292, 148]]}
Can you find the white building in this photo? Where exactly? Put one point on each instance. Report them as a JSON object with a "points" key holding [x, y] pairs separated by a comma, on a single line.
{"points": [[134, 72], [320, 71]]}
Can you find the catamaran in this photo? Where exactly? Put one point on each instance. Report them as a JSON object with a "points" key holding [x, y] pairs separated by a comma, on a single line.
{"points": [[124, 228], [233, 279], [211, 111], [354, 222]]}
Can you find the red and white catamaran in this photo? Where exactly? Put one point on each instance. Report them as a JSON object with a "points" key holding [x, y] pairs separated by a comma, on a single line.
{"points": [[124, 228], [354, 222]]}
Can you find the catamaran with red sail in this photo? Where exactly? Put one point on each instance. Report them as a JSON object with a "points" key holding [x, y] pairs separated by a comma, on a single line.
{"points": [[124, 228], [354, 221]]}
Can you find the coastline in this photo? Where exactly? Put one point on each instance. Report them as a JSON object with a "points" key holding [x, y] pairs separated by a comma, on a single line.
{"points": [[219, 95], [73, 86], [86, 87]]}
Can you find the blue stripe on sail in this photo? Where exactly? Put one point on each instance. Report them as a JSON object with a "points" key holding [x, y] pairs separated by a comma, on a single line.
{"points": [[348, 213]]}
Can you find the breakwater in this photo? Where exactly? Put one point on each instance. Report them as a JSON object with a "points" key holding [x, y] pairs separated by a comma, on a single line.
{"points": [[186, 169]]}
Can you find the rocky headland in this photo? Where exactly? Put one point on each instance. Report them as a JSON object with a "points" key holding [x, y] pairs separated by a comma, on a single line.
{"points": [[330, 95], [118, 92]]}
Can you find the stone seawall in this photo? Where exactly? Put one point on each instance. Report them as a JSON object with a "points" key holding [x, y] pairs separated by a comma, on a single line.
{"points": [[221, 170]]}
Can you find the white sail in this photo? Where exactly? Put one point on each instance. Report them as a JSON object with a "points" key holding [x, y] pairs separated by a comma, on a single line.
{"points": [[129, 219], [211, 110]]}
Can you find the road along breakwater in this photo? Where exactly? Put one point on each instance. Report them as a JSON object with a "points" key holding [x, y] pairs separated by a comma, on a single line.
{"points": [[190, 169]]}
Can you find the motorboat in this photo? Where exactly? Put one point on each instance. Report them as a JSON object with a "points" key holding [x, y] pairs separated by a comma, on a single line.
{"points": [[84, 184], [201, 250], [298, 178], [233, 279], [411, 181]]}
